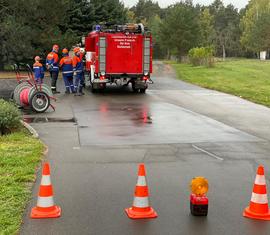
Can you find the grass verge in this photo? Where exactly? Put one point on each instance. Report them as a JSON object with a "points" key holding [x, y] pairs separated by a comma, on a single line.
{"points": [[20, 155], [249, 79]]}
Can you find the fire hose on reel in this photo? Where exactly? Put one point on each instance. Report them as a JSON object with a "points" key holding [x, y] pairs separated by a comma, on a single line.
{"points": [[29, 94]]}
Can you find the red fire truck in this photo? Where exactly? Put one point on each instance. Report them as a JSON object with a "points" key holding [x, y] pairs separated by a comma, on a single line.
{"points": [[119, 54]]}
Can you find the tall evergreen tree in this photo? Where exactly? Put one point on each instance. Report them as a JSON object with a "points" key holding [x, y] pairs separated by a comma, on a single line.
{"points": [[144, 10], [30, 27], [180, 29]]}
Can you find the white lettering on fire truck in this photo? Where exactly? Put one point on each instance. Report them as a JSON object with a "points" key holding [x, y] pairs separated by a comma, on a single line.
{"points": [[124, 42]]}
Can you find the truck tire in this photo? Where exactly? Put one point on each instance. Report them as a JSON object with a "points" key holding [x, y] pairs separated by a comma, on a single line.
{"points": [[143, 90], [135, 90], [93, 89]]}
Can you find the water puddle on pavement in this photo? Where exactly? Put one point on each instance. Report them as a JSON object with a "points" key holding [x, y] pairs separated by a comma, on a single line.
{"points": [[155, 123], [138, 114], [47, 119]]}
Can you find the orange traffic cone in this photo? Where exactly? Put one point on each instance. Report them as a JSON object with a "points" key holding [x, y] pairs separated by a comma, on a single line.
{"points": [[45, 204], [258, 207], [141, 208]]}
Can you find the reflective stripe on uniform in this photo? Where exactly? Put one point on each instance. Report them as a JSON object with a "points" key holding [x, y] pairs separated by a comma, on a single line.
{"points": [[260, 180], [65, 72], [141, 202], [141, 181], [259, 198], [36, 67], [45, 201], [45, 180]]}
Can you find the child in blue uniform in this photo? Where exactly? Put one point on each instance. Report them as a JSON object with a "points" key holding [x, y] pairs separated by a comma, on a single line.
{"points": [[38, 70]]}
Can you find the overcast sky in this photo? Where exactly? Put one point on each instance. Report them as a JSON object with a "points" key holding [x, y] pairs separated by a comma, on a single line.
{"points": [[165, 3]]}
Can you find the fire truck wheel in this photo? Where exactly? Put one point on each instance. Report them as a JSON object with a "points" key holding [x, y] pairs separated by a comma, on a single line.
{"points": [[142, 90], [135, 90], [93, 89]]}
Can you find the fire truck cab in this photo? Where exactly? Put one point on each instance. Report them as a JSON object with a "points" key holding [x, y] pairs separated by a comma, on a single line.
{"points": [[121, 55]]}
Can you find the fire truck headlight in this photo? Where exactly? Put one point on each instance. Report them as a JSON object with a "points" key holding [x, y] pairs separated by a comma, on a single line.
{"points": [[146, 74], [102, 73]]}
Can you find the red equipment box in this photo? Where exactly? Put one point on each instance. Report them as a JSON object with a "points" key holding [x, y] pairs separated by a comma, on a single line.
{"points": [[198, 205]]}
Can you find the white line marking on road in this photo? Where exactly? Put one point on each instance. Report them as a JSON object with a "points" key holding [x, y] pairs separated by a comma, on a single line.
{"points": [[208, 153]]}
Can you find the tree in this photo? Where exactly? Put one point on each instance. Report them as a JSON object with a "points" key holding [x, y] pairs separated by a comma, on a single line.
{"points": [[84, 14], [26, 32], [109, 11], [145, 10], [80, 17], [207, 31], [180, 29], [256, 26], [227, 30], [154, 25]]}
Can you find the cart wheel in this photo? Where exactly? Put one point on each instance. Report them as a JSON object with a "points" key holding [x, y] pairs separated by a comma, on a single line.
{"points": [[39, 102], [11, 96]]}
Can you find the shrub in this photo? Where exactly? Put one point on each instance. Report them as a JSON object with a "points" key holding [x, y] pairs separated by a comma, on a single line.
{"points": [[9, 117], [201, 56]]}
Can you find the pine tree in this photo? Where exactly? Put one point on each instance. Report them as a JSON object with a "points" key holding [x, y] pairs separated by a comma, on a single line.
{"points": [[180, 29]]}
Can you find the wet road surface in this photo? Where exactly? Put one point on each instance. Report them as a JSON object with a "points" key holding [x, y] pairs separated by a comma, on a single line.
{"points": [[179, 131]]}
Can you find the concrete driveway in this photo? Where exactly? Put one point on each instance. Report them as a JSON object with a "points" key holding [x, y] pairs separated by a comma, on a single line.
{"points": [[179, 131]]}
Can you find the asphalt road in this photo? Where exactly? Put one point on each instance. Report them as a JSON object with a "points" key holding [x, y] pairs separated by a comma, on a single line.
{"points": [[179, 131]]}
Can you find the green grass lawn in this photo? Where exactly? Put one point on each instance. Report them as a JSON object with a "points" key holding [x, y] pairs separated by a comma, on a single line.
{"points": [[20, 155], [249, 79]]}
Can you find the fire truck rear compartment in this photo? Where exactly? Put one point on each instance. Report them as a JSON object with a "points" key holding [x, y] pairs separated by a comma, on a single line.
{"points": [[119, 57]]}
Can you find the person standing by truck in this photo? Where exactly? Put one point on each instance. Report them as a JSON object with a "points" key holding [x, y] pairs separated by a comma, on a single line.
{"points": [[53, 67], [82, 55], [67, 71], [78, 72]]}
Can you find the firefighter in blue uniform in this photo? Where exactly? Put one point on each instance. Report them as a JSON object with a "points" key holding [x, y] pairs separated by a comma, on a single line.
{"points": [[78, 71], [38, 70], [52, 63], [67, 71]]}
